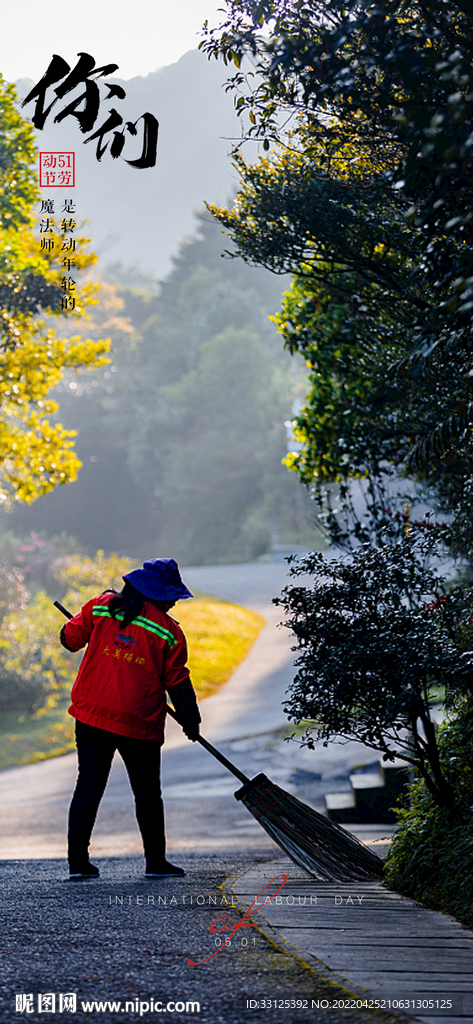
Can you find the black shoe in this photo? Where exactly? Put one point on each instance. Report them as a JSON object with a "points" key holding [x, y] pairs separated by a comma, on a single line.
{"points": [[87, 870], [163, 870]]}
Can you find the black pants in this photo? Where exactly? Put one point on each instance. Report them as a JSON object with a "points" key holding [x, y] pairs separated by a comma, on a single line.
{"points": [[95, 748]]}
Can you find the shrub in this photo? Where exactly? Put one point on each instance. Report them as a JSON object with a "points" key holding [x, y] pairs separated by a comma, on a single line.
{"points": [[431, 858], [377, 637]]}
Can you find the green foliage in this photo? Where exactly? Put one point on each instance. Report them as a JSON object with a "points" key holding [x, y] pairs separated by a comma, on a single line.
{"points": [[354, 310], [18, 185], [19, 691], [431, 854], [395, 79], [369, 204], [346, 424], [361, 420], [318, 221], [376, 637]]}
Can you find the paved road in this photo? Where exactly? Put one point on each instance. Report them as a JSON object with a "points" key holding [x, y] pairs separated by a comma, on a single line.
{"points": [[125, 938]]}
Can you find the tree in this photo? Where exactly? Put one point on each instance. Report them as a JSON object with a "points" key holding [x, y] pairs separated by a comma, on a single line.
{"points": [[35, 454], [371, 197], [352, 323], [202, 408], [394, 77], [360, 420]]}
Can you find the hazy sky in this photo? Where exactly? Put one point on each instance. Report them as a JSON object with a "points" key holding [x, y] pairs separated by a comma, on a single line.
{"points": [[140, 36]]}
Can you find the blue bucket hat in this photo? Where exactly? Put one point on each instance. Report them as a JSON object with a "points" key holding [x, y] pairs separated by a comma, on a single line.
{"points": [[159, 579]]}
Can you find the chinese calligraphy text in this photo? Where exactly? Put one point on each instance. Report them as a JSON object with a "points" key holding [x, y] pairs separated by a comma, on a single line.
{"points": [[66, 242], [113, 133]]}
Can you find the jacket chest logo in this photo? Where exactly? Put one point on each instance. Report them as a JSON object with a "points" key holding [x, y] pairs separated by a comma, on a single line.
{"points": [[124, 641]]}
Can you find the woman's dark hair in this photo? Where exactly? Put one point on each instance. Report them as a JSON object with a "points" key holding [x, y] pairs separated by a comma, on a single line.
{"points": [[130, 601]]}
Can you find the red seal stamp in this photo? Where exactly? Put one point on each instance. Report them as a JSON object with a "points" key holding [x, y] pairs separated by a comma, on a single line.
{"points": [[57, 170]]}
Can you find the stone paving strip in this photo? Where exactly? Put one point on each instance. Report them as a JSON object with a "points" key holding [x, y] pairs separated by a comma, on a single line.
{"points": [[376, 943]]}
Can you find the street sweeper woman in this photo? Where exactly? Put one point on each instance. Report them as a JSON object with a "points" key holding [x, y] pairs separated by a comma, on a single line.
{"points": [[136, 652]]}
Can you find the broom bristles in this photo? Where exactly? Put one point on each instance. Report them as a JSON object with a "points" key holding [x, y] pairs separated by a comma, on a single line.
{"points": [[321, 847]]}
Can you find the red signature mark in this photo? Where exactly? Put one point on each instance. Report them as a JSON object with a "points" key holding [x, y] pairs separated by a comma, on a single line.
{"points": [[243, 923]]}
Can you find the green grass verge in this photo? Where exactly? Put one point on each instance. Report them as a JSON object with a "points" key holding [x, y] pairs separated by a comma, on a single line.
{"points": [[219, 636], [26, 739]]}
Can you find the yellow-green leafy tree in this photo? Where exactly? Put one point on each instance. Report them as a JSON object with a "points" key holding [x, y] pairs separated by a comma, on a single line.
{"points": [[36, 454]]}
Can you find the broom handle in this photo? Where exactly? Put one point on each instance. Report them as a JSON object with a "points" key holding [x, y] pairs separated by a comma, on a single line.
{"points": [[57, 604], [200, 739], [212, 750]]}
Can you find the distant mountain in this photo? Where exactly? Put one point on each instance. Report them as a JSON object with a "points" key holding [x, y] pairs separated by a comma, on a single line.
{"points": [[139, 216]]}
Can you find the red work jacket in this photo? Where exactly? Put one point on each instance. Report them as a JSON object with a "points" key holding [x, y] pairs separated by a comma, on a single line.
{"points": [[124, 673]]}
